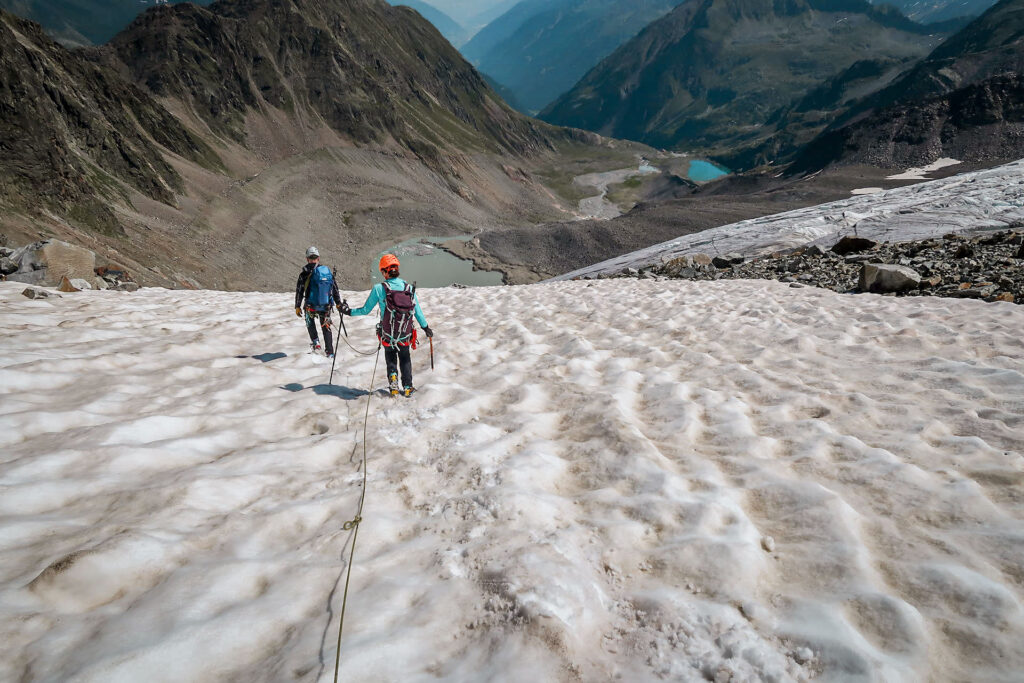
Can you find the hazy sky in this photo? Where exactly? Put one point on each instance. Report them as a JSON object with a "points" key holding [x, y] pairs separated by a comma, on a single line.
{"points": [[467, 11]]}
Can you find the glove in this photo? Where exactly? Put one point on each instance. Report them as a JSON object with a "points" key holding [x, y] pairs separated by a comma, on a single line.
{"points": [[298, 312], [429, 332], [344, 308]]}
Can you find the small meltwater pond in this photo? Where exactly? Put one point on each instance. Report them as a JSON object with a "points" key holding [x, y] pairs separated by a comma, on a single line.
{"points": [[704, 171], [428, 266]]}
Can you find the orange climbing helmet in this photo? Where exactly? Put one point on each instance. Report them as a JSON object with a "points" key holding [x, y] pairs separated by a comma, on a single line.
{"points": [[388, 260]]}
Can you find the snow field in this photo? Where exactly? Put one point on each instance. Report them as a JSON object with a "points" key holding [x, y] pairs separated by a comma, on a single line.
{"points": [[623, 479]]}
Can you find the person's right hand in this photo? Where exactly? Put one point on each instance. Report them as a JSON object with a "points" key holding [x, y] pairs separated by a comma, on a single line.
{"points": [[298, 312], [344, 308], [429, 332]]}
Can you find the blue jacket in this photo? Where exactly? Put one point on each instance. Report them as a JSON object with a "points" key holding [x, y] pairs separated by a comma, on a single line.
{"points": [[376, 299]]}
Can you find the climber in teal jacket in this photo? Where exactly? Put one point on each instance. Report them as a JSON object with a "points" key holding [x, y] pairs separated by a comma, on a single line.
{"points": [[398, 305]]}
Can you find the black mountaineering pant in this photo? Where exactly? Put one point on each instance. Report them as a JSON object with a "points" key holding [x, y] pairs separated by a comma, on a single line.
{"points": [[395, 355], [325, 324]]}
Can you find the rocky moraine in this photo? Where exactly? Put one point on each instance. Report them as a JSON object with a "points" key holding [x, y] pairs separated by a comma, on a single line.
{"points": [[987, 266]]}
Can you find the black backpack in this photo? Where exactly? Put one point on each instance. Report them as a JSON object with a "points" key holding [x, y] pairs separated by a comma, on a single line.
{"points": [[399, 310]]}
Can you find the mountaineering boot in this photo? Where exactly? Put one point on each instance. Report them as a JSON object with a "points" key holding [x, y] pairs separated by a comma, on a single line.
{"points": [[314, 347], [407, 392], [393, 383]]}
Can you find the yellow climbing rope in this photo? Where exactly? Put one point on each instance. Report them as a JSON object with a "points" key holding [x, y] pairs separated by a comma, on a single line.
{"points": [[353, 524]]}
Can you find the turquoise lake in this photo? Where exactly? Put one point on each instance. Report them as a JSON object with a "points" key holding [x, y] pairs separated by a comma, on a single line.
{"points": [[703, 171]]}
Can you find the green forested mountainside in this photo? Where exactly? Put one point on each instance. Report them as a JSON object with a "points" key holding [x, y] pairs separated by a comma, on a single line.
{"points": [[541, 48], [713, 75]]}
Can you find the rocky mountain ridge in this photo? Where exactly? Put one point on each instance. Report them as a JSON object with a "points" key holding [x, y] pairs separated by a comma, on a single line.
{"points": [[251, 127], [719, 76], [83, 22], [964, 100]]}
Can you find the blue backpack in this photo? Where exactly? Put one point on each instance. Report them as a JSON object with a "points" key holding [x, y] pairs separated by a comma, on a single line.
{"points": [[320, 284]]}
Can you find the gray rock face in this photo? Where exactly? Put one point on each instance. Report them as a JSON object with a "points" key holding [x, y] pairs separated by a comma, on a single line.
{"points": [[882, 278], [33, 277]]}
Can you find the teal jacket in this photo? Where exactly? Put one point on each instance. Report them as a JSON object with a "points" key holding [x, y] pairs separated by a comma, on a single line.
{"points": [[376, 299]]}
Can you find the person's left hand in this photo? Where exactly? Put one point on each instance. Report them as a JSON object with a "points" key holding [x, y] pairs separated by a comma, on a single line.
{"points": [[429, 332], [298, 312]]}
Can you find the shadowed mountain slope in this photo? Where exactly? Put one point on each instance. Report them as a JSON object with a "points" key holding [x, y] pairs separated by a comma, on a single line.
{"points": [[541, 48], [710, 75], [965, 100], [934, 11], [449, 28], [82, 22], [70, 130]]}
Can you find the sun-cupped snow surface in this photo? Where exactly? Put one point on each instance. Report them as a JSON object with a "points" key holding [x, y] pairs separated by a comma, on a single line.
{"points": [[610, 480], [981, 200]]}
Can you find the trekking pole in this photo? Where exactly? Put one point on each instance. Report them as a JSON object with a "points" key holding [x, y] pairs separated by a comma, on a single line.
{"points": [[337, 341], [431, 340]]}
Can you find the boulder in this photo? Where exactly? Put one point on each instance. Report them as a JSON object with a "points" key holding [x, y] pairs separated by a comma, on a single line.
{"points": [[7, 266], [852, 245], [674, 266], [814, 250], [1020, 252], [977, 292], [701, 260], [56, 260], [100, 283], [882, 278], [727, 261], [81, 284], [66, 286], [37, 293], [127, 287]]}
